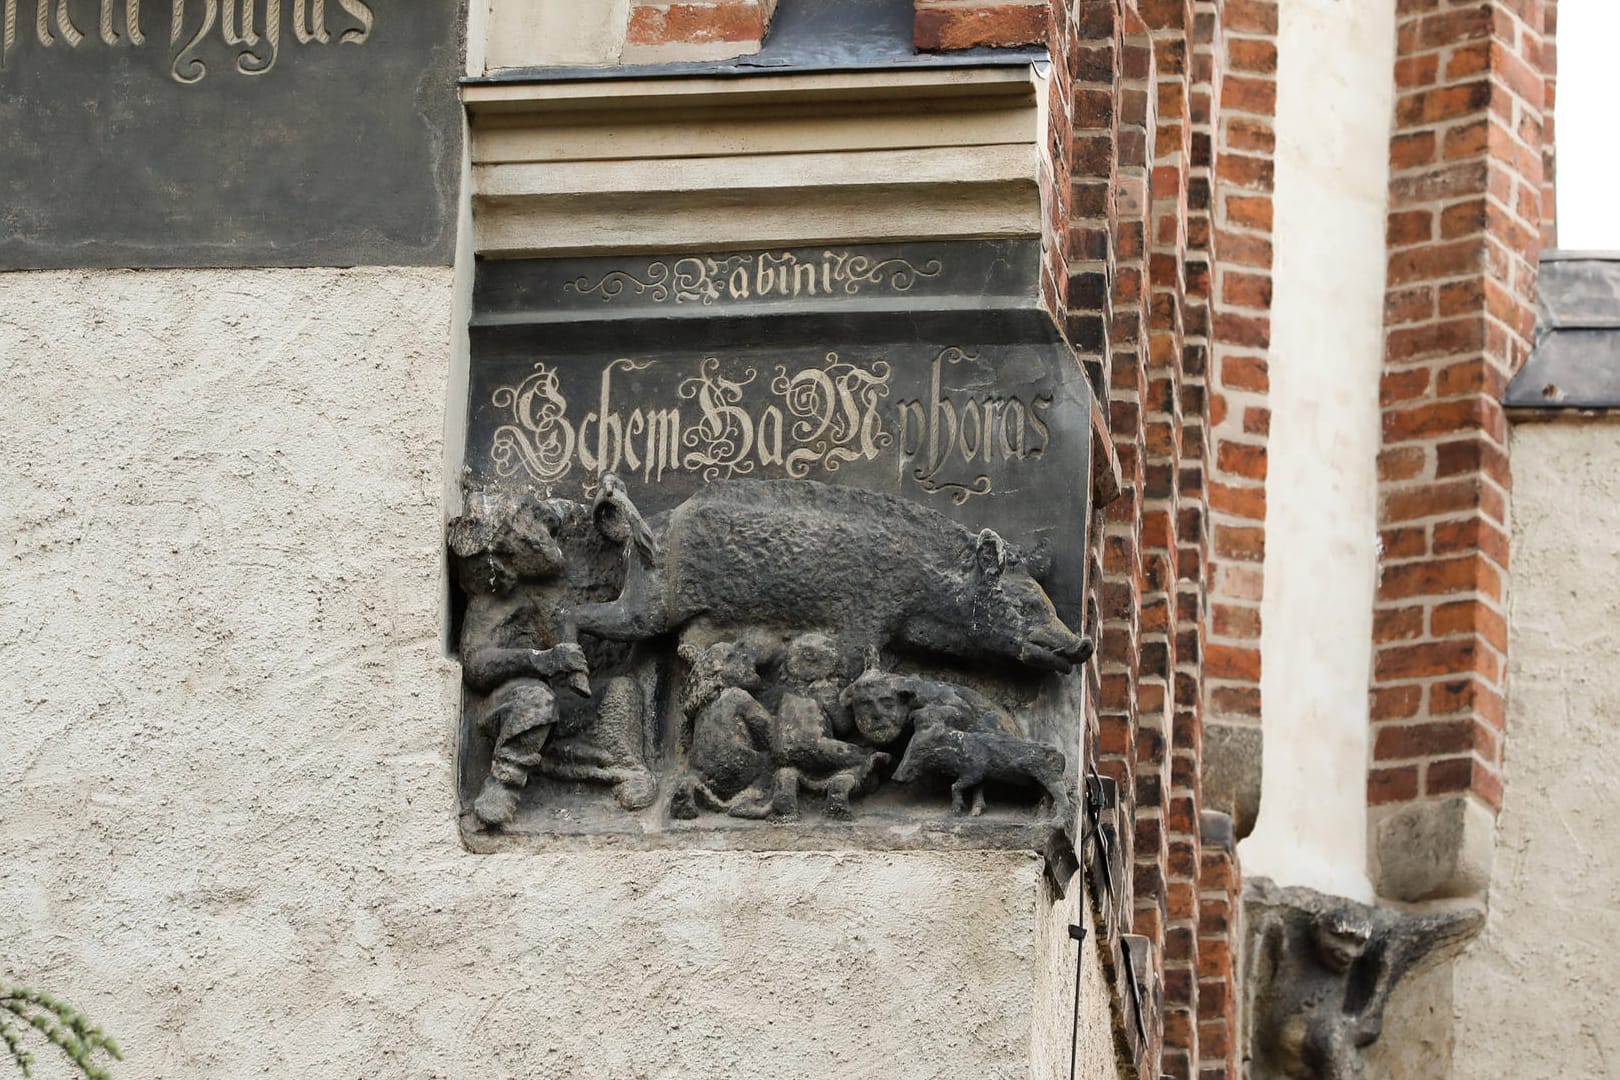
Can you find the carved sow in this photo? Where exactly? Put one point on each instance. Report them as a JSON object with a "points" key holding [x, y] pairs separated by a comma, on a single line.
{"points": [[874, 569]]}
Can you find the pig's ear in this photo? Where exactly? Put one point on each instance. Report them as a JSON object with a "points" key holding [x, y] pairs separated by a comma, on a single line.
{"points": [[991, 554], [1038, 559]]}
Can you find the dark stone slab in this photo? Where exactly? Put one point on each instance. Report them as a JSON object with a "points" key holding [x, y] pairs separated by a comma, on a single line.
{"points": [[135, 140], [922, 370], [749, 528]]}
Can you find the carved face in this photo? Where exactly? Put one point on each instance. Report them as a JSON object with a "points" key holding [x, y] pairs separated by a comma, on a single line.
{"points": [[501, 539], [880, 703], [811, 657], [1011, 608]]}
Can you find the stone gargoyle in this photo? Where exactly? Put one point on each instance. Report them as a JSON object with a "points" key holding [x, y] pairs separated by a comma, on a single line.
{"points": [[1321, 970]]}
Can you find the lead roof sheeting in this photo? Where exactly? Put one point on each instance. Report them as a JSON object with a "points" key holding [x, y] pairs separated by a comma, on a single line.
{"points": [[1576, 360]]}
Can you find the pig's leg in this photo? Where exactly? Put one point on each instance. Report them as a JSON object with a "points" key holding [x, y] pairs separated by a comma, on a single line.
{"points": [[978, 801], [959, 791]]}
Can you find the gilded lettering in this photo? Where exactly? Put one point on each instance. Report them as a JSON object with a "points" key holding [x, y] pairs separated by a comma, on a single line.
{"points": [[309, 21], [1042, 402], [360, 10], [770, 436], [250, 61], [941, 407], [738, 284], [970, 447], [663, 443], [194, 69], [1012, 446], [913, 421], [990, 406], [804, 276], [720, 442], [65, 27]]}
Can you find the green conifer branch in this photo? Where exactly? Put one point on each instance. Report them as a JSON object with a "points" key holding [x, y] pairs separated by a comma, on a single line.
{"points": [[63, 1026]]}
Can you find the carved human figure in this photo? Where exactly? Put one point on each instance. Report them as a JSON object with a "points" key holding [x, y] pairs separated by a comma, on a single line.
{"points": [[808, 755], [883, 706], [505, 555], [1320, 971], [730, 761]]}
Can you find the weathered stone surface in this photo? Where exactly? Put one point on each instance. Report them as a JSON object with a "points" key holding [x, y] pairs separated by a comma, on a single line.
{"points": [[235, 134], [792, 576], [1320, 971], [1233, 767], [1434, 850]]}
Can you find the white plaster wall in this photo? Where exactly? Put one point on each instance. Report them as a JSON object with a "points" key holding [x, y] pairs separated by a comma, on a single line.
{"points": [[1537, 994], [1335, 102], [226, 733], [546, 33]]}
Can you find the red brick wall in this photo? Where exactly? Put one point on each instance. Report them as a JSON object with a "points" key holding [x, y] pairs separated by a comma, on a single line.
{"points": [[1240, 419], [1140, 206], [1464, 232], [953, 24], [700, 29], [1549, 138]]}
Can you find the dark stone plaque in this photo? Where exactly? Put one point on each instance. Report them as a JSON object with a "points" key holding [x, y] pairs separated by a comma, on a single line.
{"points": [[923, 370], [749, 527], [228, 132]]}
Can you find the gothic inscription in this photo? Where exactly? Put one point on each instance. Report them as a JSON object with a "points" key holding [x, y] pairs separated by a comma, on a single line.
{"points": [[722, 421], [251, 29], [763, 546], [759, 276], [222, 133]]}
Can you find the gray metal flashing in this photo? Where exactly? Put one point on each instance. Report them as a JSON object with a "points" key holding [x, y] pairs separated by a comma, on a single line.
{"points": [[1575, 364], [806, 36]]}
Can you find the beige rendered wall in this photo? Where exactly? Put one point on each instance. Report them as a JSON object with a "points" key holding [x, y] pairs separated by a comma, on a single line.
{"points": [[226, 807], [1334, 98], [546, 33], [1538, 994]]}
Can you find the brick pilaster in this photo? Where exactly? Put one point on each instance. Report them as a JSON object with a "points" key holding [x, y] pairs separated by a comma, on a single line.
{"points": [[1464, 232]]}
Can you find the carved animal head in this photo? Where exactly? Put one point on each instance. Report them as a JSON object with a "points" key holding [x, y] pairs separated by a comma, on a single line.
{"points": [[502, 538], [1013, 614], [934, 748], [618, 519]]}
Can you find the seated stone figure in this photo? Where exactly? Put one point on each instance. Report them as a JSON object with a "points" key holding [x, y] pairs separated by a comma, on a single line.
{"points": [[506, 554], [731, 757], [808, 715]]}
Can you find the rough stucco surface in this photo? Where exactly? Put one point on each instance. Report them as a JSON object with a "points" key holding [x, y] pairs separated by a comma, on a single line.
{"points": [[1334, 98], [226, 810], [1536, 995]]}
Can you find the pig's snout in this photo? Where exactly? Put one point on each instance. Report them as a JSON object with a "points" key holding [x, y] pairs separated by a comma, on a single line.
{"points": [[907, 772], [1055, 649]]}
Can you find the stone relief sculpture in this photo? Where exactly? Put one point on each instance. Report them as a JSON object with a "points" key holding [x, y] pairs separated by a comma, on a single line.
{"points": [[509, 565], [759, 611], [1321, 970]]}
